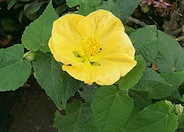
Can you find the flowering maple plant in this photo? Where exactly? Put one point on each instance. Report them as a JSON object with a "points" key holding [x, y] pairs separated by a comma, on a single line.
{"points": [[104, 75], [94, 48]]}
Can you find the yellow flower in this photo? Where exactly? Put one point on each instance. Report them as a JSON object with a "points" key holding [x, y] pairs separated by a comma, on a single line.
{"points": [[94, 48]]}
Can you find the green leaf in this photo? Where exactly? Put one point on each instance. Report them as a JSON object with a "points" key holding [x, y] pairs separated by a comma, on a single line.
{"points": [[175, 79], [58, 85], [84, 6], [170, 56], [32, 7], [141, 99], [181, 122], [14, 70], [25, 0], [37, 34], [154, 118], [72, 3], [146, 46], [85, 122], [59, 2], [111, 108], [111, 6], [88, 93], [159, 86], [9, 25], [69, 88], [78, 119], [127, 8], [133, 76], [129, 30], [92, 2], [85, 9], [149, 79], [120, 8], [11, 3], [67, 122]]}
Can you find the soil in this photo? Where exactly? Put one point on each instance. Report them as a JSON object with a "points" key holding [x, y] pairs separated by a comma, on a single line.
{"points": [[27, 109]]}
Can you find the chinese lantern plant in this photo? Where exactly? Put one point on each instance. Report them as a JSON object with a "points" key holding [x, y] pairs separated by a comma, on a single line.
{"points": [[90, 53]]}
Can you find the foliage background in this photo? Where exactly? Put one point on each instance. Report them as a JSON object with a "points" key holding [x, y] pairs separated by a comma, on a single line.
{"points": [[149, 98]]}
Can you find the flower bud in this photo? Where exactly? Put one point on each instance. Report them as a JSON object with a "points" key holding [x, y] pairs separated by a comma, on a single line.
{"points": [[169, 103], [179, 109], [145, 9], [30, 56]]}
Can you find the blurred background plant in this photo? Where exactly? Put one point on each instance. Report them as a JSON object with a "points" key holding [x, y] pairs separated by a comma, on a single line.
{"points": [[167, 15], [32, 9], [15, 15], [161, 6]]}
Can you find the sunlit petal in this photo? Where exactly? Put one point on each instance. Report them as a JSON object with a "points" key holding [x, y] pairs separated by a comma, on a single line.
{"points": [[65, 38], [117, 42], [98, 24]]}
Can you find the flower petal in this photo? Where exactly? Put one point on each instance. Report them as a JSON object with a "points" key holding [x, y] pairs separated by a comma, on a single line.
{"points": [[122, 61], [65, 39], [51, 46], [101, 75], [111, 69], [98, 24], [67, 59], [117, 42], [107, 75]]}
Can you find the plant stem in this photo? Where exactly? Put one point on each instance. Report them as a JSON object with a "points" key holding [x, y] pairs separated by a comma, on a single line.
{"points": [[180, 38], [137, 21]]}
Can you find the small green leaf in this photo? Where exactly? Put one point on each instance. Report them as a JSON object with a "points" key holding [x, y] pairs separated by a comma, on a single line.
{"points": [[92, 2], [84, 6], [32, 7], [14, 70], [111, 108], [85, 9], [154, 118], [9, 25], [58, 85], [11, 3], [133, 76], [146, 46], [170, 56], [72, 3], [77, 119], [37, 34]]}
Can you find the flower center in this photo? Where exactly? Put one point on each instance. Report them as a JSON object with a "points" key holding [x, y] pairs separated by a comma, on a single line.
{"points": [[90, 46]]}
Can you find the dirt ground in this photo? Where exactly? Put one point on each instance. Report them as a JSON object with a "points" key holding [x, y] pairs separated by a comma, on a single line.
{"points": [[27, 109]]}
